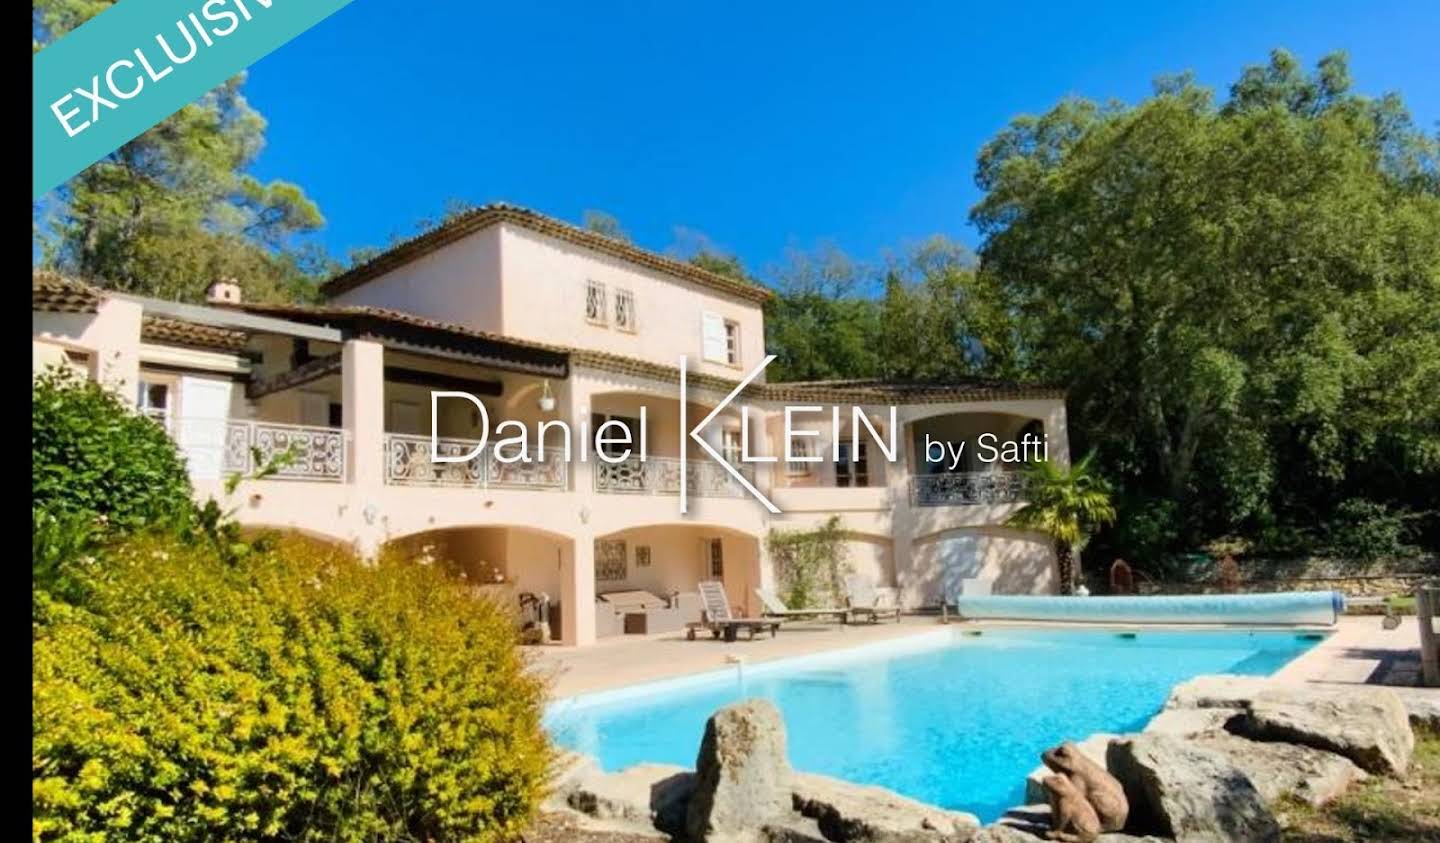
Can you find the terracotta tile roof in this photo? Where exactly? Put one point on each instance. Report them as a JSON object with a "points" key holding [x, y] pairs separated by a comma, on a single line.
{"points": [[488, 215], [852, 391], [408, 332], [324, 313], [52, 292], [165, 331], [877, 391], [621, 365]]}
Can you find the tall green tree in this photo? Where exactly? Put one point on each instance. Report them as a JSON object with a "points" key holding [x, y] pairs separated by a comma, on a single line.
{"points": [[1243, 297], [818, 326], [176, 208]]}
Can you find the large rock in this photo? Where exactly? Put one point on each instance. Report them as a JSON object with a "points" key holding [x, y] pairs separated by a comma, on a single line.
{"points": [[1282, 769], [1092, 747], [1192, 722], [1217, 691], [852, 812], [742, 777], [645, 794], [1423, 705], [1369, 726], [1187, 792], [1029, 823]]}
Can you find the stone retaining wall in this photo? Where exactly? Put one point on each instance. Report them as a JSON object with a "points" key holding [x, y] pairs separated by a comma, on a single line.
{"points": [[1381, 585]]}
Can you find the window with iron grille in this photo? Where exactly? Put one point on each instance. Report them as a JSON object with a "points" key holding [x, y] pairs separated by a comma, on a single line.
{"points": [[609, 560], [715, 550], [625, 310], [595, 302]]}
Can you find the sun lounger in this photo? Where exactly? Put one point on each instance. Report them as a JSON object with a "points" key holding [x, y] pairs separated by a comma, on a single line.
{"points": [[719, 620], [774, 607], [864, 600]]}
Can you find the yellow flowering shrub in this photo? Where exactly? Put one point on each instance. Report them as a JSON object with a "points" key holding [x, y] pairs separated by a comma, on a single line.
{"points": [[294, 695]]}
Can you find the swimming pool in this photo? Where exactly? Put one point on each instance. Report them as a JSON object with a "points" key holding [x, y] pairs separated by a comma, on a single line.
{"points": [[948, 717]]}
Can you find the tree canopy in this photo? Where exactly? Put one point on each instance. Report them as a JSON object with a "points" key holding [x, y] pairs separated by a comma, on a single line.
{"points": [[1244, 297], [176, 207]]}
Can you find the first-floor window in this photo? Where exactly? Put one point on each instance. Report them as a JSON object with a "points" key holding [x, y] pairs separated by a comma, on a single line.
{"points": [[611, 449], [852, 469], [154, 400], [802, 451], [730, 446]]}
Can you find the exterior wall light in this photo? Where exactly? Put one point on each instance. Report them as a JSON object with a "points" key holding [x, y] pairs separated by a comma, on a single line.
{"points": [[547, 399]]}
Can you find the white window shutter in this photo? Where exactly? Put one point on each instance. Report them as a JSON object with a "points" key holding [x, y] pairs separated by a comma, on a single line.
{"points": [[714, 345]]}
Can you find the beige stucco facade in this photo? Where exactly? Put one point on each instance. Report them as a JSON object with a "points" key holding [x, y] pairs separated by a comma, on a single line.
{"points": [[355, 398]]}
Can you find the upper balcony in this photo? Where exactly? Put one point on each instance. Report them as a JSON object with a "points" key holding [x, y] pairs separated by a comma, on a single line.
{"points": [[967, 488]]}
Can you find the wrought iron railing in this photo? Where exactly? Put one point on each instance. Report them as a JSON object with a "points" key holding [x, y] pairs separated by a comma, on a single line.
{"points": [[409, 462], [316, 453], [661, 476], [967, 488]]}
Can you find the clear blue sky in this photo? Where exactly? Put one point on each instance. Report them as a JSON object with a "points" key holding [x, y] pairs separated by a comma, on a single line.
{"points": [[763, 125]]}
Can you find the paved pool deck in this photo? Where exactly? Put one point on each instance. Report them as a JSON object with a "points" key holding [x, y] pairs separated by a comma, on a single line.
{"points": [[1358, 651]]}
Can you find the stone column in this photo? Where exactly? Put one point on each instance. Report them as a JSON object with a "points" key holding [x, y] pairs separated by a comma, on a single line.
{"points": [[903, 516], [577, 591], [362, 375], [577, 566]]}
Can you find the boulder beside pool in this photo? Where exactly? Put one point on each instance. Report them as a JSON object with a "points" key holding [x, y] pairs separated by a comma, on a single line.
{"points": [[1189, 793], [742, 775], [1369, 725]]}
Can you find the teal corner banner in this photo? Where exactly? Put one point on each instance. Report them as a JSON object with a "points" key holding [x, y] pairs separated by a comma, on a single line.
{"points": [[140, 61]]}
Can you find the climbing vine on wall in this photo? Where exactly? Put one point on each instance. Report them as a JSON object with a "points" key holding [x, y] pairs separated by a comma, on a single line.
{"points": [[810, 565]]}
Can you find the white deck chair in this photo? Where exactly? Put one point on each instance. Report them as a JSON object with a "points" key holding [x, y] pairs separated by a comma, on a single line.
{"points": [[774, 607], [719, 620], [864, 600]]}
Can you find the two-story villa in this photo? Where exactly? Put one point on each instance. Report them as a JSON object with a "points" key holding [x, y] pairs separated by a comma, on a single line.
{"points": [[542, 321]]}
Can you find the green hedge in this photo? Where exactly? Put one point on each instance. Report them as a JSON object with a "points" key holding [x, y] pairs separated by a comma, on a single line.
{"points": [[296, 695], [94, 458]]}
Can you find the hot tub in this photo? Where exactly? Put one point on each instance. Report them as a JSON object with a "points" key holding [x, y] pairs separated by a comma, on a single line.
{"points": [[1288, 608]]}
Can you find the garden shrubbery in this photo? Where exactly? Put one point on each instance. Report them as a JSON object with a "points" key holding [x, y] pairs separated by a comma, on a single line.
{"points": [[93, 457], [186, 688], [296, 695]]}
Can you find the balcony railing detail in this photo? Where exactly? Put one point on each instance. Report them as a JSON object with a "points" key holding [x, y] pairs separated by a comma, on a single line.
{"points": [[319, 451], [968, 488], [408, 462], [661, 476]]}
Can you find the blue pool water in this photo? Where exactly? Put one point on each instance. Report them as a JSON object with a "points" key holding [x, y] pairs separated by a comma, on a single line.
{"points": [[948, 718]]}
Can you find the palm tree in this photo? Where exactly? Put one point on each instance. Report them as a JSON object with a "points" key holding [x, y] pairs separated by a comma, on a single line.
{"points": [[1068, 505]]}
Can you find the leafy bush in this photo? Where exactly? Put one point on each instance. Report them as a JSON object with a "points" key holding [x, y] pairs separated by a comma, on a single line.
{"points": [[1367, 531], [810, 564], [92, 456], [1146, 530], [294, 694]]}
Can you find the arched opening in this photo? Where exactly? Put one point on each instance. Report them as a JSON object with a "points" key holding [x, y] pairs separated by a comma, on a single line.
{"points": [[973, 458], [660, 567], [515, 566]]}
